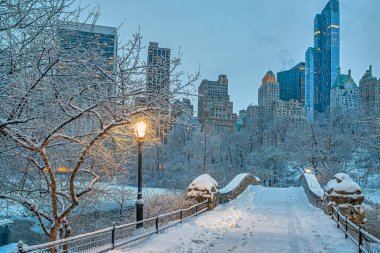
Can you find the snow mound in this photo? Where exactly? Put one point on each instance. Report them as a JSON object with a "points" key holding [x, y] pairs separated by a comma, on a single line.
{"points": [[203, 186], [342, 184], [313, 184]]}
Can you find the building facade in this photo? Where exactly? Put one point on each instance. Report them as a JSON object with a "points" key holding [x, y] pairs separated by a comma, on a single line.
{"points": [[311, 84], [292, 110], [158, 75], [269, 93], [240, 120], [215, 110], [345, 95], [370, 92], [292, 83], [252, 115], [325, 57], [182, 108], [90, 41]]}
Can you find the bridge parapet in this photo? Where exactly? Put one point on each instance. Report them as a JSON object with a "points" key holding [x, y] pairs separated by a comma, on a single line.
{"points": [[205, 187], [237, 186], [312, 189]]}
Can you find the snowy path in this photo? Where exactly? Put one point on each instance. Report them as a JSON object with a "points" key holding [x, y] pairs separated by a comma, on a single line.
{"points": [[260, 220]]}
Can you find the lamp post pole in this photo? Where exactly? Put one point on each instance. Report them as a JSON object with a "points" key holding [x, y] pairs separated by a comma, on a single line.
{"points": [[139, 202]]}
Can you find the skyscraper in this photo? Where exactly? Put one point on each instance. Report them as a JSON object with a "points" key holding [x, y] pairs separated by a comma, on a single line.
{"points": [[88, 41], [292, 83], [329, 27], [268, 94], [215, 111], [326, 58], [158, 76], [370, 92], [311, 88]]}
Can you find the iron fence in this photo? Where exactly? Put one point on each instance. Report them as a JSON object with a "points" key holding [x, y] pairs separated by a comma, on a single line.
{"points": [[117, 235], [366, 242]]}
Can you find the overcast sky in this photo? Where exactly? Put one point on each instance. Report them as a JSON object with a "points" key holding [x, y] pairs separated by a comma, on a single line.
{"points": [[246, 38]]}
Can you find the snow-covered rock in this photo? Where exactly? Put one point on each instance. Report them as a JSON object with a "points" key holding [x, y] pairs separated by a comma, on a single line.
{"points": [[343, 192], [202, 188]]}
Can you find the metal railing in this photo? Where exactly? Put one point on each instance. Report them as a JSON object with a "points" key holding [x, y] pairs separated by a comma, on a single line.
{"points": [[117, 235], [366, 242]]}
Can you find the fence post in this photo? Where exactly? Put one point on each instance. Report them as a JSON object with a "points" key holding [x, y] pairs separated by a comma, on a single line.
{"points": [[196, 210], [346, 229], [157, 224], [337, 223], [208, 204], [360, 240], [20, 247], [113, 235], [180, 215]]}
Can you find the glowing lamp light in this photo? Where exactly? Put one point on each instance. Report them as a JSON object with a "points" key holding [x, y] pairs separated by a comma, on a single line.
{"points": [[140, 129], [308, 170]]}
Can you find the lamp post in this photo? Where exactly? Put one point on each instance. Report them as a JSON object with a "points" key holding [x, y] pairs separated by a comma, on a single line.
{"points": [[308, 170], [140, 130]]}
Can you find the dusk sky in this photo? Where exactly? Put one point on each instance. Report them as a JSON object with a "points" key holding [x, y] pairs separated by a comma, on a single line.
{"points": [[246, 38]]}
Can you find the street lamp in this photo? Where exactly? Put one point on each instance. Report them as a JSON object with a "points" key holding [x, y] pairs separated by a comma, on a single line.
{"points": [[308, 170], [140, 131]]}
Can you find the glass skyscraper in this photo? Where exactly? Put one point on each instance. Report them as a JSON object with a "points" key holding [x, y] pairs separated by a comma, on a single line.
{"points": [[310, 83], [325, 56], [292, 83]]}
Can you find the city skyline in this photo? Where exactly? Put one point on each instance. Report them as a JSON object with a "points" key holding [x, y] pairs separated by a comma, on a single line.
{"points": [[246, 48]]}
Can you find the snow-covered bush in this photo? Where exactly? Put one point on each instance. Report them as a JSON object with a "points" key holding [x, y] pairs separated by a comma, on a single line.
{"points": [[203, 187], [347, 195]]}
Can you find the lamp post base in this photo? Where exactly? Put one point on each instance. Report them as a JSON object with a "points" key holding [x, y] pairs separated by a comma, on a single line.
{"points": [[139, 213]]}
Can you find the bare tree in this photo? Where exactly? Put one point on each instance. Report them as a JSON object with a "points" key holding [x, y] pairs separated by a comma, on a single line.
{"points": [[66, 117]]}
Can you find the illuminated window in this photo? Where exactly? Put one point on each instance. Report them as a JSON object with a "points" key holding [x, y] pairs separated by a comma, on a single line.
{"points": [[97, 35]]}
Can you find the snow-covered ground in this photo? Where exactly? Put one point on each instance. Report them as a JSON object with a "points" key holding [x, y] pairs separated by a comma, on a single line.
{"points": [[260, 220]]}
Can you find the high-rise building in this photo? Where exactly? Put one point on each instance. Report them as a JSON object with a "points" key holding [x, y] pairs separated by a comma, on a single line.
{"points": [[89, 42], [215, 110], [329, 28], [292, 83], [311, 88], [269, 93], [158, 76], [345, 95], [326, 56], [370, 91]]}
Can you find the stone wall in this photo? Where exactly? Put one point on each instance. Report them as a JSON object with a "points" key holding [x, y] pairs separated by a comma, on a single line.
{"points": [[314, 199], [237, 186]]}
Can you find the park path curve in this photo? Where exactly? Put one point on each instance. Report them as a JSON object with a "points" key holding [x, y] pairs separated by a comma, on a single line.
{"points": [[261, 219]]}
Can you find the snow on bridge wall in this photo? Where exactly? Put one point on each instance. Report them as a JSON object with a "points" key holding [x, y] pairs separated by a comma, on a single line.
{"points": [[237, 186], [312, 189]]}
